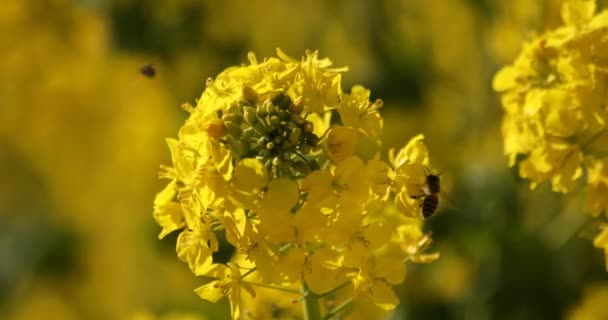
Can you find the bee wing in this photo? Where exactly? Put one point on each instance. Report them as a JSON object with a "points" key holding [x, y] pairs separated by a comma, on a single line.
{"points": [[445, 201]]}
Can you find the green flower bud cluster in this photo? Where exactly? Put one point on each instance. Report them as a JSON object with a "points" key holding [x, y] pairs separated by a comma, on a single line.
{"points": [[274, 131]]}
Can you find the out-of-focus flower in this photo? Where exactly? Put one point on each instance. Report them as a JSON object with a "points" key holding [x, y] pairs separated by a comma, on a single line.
{"points": [[278, 156], [514, 22], [601, 241], [69, 102], [593, 304], [554, 126], [41, 303], [145, 315]]}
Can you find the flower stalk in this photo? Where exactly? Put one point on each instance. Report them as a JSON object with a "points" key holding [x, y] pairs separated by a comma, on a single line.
{"points": [[310, 305]]}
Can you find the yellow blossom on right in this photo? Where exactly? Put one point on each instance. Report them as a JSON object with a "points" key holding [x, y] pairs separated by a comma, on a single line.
{"points": [[555, 98]]}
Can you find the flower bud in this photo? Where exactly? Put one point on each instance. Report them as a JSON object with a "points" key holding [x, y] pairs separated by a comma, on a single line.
{"points": [[233, 117], [285, 102], [274, 119], [277, 161], [276, 100], [264, 153], [248, 132], [249, 94], [269, 107], [261, 111], [245, 146], [233, 128], [291, 125], [312, 139], [297, 106], [262, 141], [377, 104], [313, 165], [215, 128], [284, 115], [187, 107], [301, 167], [295, 135], [305, 148], [249, 115], [308, 127], [297, 119]]}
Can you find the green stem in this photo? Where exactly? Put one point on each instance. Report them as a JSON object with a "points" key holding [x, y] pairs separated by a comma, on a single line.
{"points": [[252, 270], [311, 305], [334, 290], [337, 310], [263, 285], [283, 249], [593, 138]]}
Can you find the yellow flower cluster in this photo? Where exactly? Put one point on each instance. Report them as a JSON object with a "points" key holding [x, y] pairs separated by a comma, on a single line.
{"points": [[287, 165], [555, 101]]}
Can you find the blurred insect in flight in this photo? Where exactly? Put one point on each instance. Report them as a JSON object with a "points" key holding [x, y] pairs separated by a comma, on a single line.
{"points": [[148, 70], [430, 190]]}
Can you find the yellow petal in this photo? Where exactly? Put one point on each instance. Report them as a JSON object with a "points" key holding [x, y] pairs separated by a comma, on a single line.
{"points": [[196, 249], [274, 210], [214, 188], [414, 152], [281, 195], [191, 209], [235, 223], [324, 273], [407, 205], [357, 255], [561, 120], [505, 79], [222, 160], [210, 291], [601, 240], [250, 174], [183, 160], [345, 222], [377, 234], [291, 264], [168, 213], [389, 264], [384, 296], [352, 181], [577, 12], [340, 143], [318, 185], [311, 224], [320, 124], [281, 54]]}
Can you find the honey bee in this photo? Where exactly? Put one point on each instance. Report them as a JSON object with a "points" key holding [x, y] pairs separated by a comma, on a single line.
{"points": [[430, 191], [148, 70]]}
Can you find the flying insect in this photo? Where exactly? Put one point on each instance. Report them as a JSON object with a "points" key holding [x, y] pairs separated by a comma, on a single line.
{"points": [[430, 191]]}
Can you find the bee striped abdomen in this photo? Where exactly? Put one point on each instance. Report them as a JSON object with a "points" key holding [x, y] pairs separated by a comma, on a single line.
{"points": [[429, 205]]}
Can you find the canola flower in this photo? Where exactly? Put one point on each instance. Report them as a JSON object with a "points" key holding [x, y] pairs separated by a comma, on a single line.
{"points": [[555, 102], [287, 165]]}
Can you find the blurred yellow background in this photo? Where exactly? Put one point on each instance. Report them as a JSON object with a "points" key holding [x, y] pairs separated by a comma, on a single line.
{"points": [[82, 135]]}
